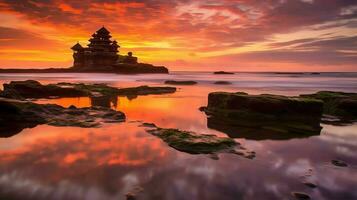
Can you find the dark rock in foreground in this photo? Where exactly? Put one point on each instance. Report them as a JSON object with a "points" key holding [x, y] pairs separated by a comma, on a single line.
{"points": [[271, 113], [340, 104], [34, 89], [173, 82], [339, 163], [222, 72], [16, 115], [194, 143], [222, 83], [300, 196]]}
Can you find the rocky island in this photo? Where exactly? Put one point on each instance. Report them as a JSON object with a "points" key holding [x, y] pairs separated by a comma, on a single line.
{"points": [[101, 56]]}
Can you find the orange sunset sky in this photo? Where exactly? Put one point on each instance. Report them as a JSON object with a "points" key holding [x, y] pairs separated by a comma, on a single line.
{"points": [[237, 35]]}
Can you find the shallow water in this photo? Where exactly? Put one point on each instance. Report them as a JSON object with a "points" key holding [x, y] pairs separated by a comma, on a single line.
{"points": [[49, 162]]}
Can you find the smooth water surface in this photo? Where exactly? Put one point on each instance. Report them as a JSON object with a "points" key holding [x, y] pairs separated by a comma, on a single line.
{"points": [[49, 162]]}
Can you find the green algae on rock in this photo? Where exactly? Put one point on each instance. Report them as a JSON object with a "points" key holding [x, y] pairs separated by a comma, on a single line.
{"points": [[174, 82], [194, 143], [340, 104], [16, 115], [34, 89], [276, 113]]}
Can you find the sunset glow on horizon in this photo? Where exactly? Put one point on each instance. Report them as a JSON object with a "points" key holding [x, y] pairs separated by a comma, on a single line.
{"points": [[232, 35]]}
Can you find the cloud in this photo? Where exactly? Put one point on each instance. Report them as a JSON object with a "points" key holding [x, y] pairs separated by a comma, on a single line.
{"points": [[197, 26]]}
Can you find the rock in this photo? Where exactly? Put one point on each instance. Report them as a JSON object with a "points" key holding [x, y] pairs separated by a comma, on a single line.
{"points": [[300, 196], [222, 83], [194, 143], [340, 104], [145, 90], [34, 89], [173, 82], [310, 185], [130, 196], [148, 125], [100, 94], [222, 72], [138, 68], [279, 114], [16, 115], [72, 107], [339, 163]]}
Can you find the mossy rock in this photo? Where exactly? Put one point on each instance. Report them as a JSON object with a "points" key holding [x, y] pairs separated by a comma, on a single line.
{"points": [[16, 115], [34, 89], [275, 113], [341, 104], [193, 143]]}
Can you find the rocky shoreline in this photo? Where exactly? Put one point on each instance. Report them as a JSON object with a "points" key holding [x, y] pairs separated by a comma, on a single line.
{"points": [[34, 89], [17, 115], [269, 116]]}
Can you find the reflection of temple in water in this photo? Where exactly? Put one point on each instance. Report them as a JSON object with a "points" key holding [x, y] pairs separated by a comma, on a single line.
{"points": [[105, 101]]}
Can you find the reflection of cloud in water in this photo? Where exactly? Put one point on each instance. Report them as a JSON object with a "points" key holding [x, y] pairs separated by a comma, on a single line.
{"points": [[73, 163]]}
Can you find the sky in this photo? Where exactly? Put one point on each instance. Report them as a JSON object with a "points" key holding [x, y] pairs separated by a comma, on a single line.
{"points": [[195, 35]]}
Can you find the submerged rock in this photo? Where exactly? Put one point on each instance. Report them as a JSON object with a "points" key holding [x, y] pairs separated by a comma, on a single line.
{"points": [[194, 143], [222, 72], [340, 104], [173, 82], [300, 196], [145, 90], [310, 185], [16, 115], [272, 113], [339, 163], [222, 83], [34, 89], [148, 125]]}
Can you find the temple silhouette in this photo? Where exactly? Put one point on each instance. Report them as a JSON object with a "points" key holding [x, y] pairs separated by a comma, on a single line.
{"points": [[101, 52]]}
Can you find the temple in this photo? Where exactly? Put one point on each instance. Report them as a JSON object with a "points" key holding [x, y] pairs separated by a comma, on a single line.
{"points": [[101, 52], [102, 55]]}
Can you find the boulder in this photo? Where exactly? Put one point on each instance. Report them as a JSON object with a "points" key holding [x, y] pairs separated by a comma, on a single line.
{"points": [[34, 89], [340, 104], [16, 115], [194, 143], [270, 112]]}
